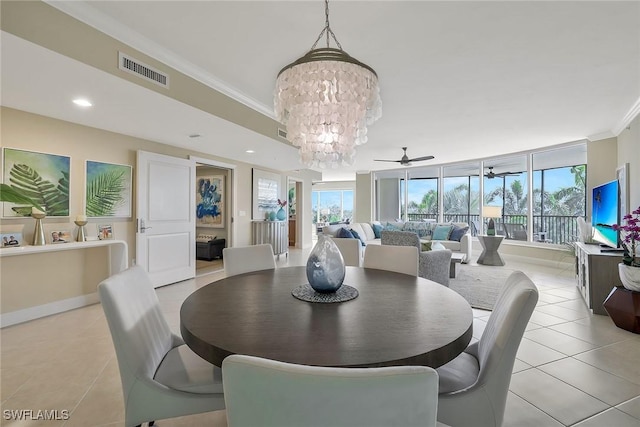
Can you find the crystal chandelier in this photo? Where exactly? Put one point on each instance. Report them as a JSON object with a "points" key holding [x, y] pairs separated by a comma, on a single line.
{"points": [[326, 99]]}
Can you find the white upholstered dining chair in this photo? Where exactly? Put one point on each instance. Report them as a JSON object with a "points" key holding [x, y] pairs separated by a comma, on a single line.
{"points": [[351, 250], [474, 385], [161, 377], [245, 259], [401, 259], [262, 392]]}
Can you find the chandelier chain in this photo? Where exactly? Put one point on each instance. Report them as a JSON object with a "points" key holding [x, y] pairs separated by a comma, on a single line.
{"points": [[327, 29]]}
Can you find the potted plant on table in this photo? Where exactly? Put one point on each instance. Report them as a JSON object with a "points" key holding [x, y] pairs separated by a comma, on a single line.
{"points": [[629, 268]]}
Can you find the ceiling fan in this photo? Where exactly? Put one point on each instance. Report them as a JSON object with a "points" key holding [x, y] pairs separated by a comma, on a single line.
{"points": [[405, 160], [491, 174]]}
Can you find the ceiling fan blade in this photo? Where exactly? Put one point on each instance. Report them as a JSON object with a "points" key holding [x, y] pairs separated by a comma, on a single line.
{"points": [[507, 174], [394, 161], [420, 159]]}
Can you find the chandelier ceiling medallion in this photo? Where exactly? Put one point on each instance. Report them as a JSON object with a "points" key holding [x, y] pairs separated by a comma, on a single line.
{"points": [[326, 99]]}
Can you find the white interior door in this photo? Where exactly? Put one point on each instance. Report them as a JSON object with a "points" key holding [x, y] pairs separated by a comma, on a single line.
{"points": [[165, 231]]}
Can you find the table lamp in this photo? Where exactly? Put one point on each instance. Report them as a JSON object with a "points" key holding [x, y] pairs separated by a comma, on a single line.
{"points": [[491, 212]]}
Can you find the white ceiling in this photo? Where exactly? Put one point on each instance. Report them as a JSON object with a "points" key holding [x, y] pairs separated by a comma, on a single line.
{"points": [[459, 80]]}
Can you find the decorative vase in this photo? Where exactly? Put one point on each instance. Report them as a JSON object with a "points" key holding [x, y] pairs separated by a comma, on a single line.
{"points": [[325, 266], [629, 276], [272, 216], [82, 237], [38, 234], [281, 215]]}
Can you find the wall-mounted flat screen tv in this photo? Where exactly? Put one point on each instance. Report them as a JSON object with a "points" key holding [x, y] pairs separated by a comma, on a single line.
{"points": [[605, 213]]}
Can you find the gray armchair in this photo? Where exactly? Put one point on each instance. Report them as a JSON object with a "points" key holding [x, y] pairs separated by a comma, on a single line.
{"points": [[433, 265]]}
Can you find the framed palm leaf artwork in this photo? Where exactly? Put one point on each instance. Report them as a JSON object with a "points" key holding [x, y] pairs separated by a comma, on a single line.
{"points": [[35, 179], [108, 190]]}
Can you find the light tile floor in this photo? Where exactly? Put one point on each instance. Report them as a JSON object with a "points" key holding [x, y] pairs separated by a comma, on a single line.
{"points": [[573, 368]]}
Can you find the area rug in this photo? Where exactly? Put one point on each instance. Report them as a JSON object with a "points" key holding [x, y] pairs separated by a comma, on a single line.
{"points": [[479, 284]]}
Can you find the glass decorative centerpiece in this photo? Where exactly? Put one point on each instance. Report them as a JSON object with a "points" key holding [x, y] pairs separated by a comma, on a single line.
{"points": [[325, 272], [325, 266]]}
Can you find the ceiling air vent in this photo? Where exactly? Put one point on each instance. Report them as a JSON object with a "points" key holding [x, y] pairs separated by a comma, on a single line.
{"points": [[282, 133], [140, 69]]}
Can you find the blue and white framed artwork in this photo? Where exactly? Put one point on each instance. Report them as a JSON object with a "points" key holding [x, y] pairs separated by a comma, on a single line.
{"points": [[210, 201]]}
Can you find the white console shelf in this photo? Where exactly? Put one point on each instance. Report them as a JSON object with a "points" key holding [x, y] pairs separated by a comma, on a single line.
{"points": [[118, 253], [118, 261], [274, 233]]}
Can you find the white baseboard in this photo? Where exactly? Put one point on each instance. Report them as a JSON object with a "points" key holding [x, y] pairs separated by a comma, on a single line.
{"points": [[32, 313]]}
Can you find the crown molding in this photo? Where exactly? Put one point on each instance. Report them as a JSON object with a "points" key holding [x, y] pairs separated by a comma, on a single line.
{"points": [[628, 118], [111, 27], [602, 135]]}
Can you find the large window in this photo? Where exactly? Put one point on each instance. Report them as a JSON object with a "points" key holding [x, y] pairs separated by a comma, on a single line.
{"points": [[460, 198], [332, 206], [559, 188], [505, 186], [422, 198], [541, 209]]}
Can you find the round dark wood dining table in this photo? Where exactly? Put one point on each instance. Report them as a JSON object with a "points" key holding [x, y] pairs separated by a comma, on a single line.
{"points": [[396, 320]]}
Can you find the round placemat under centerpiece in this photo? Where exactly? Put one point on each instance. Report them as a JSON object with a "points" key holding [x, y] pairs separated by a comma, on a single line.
{"points": [[306, 293]]}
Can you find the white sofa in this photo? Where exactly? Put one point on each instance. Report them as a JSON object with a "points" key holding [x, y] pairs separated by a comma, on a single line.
{"points": [[365, 231], [346, 246]]}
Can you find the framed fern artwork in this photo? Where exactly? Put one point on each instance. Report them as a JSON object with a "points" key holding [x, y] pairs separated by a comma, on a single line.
{"points": [[35, 179], [108, 190]]}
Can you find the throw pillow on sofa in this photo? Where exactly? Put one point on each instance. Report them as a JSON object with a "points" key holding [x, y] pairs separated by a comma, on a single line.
{"points": [[457, 232], [422, 229], [425, 246], [377, 228], [393, 227], [442, 232], [357, 236], [345, 233]]}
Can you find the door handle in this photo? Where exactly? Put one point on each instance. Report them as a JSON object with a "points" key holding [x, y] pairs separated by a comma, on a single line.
{"points": [[142, 226]]}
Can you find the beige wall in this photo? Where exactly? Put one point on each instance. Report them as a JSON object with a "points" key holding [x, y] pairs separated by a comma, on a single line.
{"points": [[629, 152], [601, 165], [71, 274], [363, 202]]}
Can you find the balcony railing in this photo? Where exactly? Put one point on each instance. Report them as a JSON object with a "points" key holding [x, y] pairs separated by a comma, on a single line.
{"points": [[546, 228]]}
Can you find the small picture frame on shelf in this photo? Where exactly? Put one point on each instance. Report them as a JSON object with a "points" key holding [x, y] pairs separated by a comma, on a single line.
{"points": [[11, 240], [60, 236], [105, 231]]}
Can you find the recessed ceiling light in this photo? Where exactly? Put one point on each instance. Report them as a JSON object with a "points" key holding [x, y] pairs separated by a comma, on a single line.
{"points": [[82, 102], [250, 151]]}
